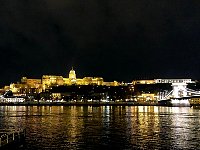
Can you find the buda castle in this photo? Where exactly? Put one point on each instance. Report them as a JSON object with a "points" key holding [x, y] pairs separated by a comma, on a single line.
{"points": [[27, 85]]}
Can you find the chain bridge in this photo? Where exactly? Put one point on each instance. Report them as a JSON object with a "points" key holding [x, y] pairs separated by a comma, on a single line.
{"points": [[179, 94]]}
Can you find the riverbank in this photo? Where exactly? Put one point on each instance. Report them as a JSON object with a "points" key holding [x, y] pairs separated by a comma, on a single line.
{"points": [[79, 104], [33, 103]]}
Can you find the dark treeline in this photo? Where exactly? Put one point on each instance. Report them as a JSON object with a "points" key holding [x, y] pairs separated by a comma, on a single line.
{"points": [[85, 92], [151, 88]]}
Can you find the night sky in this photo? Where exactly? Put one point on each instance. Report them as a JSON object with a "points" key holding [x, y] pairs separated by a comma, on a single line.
{"points": [[118, 40]]}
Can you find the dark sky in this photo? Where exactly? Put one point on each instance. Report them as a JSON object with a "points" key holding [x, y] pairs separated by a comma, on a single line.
{"points": [[116, 39]]}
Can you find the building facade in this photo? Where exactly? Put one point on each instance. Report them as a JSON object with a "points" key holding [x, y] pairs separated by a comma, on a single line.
{"points": [[30, 86]]}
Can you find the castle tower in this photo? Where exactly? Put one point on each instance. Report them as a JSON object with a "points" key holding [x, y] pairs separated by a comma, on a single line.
{"points": [[72, 74]]}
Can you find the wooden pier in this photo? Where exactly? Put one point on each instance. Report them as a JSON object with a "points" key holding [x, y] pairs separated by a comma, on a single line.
{"points": [[11, 137]]}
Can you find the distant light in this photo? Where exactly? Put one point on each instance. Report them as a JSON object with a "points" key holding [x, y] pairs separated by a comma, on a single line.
{"points": [[182, 102]]}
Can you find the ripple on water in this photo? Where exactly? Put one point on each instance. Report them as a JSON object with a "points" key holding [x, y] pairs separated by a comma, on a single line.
{"points": [[112, 127]]}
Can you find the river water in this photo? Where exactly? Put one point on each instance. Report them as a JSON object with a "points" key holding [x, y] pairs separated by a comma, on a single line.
{"points": [[104, 127]]}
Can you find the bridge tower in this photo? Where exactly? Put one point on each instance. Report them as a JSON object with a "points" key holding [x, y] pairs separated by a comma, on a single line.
{"points": [[179, 90]]}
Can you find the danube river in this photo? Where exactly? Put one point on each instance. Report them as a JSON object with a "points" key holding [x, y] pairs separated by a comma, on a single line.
{"points": [[104, 127]]}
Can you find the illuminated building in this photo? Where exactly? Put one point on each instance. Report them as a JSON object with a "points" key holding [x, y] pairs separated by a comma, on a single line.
{"points": [[12, 99], [30, 86], [72, 80], [91, 80], [33, 83], [7, 87], [72, 76], [86, 80], [79, 82], [15, 88], [143, 82], [173, 81], [56, 95], [97, 81], [115, 83], [33, 86], [195, 100], [51, 80], [147, 97], [155, 81]]}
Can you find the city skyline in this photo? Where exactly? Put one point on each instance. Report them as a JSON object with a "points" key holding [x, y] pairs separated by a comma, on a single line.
{"points": [[67, 75]]}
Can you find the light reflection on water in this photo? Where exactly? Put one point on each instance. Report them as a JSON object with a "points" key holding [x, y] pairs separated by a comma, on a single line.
{"points": [[105, 127]]}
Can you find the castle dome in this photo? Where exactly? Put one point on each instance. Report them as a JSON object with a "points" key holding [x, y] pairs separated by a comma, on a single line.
{"points": [[72, 71], [72, 74]]}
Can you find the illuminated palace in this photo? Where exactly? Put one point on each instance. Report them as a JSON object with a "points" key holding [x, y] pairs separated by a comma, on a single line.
{"points": [[27, 86]]}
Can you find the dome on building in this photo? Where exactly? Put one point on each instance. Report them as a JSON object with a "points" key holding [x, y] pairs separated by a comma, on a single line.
{"points": [[72, 74], [72, 71]]}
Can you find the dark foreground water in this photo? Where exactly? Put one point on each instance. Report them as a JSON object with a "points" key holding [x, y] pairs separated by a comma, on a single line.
{"points": [[105, 127]]}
